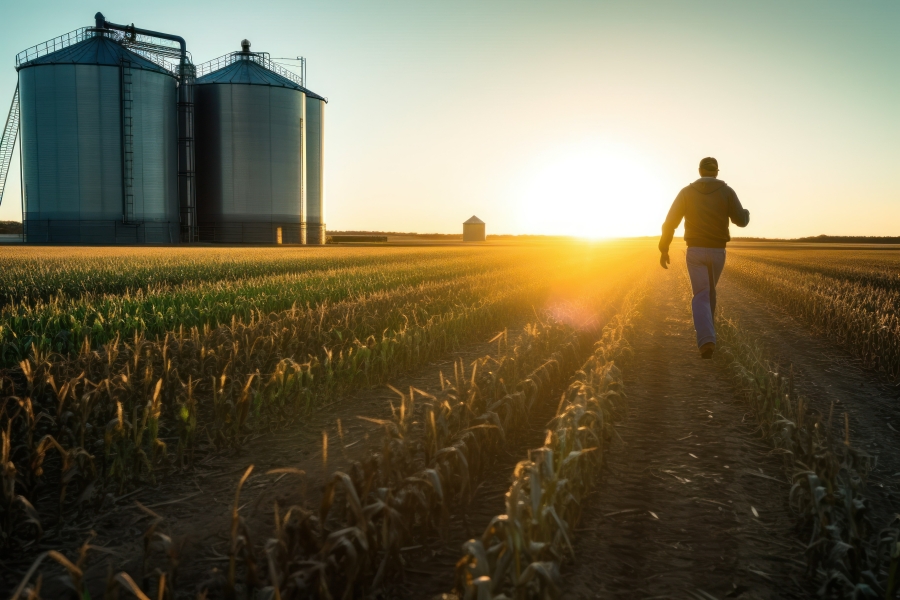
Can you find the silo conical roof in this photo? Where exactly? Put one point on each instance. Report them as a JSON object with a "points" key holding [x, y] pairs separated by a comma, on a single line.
{"points": [[474, 221], [96, 50], [249, 72]]}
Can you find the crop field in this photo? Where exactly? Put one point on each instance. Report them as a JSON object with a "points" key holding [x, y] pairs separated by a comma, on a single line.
{"points": [[509, 420]]}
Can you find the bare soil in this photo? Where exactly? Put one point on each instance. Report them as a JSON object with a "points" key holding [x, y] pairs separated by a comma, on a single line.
{"points": [[673, 516], [825, 373]]}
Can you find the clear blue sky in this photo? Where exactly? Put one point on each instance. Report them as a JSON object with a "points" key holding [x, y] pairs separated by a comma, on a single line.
{"points": [[565, 117]]}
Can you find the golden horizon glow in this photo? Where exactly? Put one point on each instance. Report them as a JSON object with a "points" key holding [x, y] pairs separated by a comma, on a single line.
{"points": [[594, 190]]}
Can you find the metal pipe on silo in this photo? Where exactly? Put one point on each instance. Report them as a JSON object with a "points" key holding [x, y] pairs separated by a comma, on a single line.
{"points": [[187, 194]]}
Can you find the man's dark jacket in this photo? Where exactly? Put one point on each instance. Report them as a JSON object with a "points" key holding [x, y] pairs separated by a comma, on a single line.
{"points": [[706, 206]]}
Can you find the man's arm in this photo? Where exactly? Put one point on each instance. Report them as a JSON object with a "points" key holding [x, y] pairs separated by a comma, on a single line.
{"points": [[673, 220], [739, 215]]}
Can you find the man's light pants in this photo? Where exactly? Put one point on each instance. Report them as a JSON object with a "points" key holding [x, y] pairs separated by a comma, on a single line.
{"points": [[704, 266]]}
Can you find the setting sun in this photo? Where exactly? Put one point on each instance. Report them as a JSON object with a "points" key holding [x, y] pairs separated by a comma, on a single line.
{"points": [[593, 190]]}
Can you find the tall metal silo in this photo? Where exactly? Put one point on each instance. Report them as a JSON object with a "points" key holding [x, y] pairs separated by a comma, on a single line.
{"points": [[251, 123], [315, 171], [99, 142]]}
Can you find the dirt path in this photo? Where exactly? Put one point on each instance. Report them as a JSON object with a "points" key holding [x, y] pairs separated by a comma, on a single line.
{"points": [[825, 373], [673, 517]]}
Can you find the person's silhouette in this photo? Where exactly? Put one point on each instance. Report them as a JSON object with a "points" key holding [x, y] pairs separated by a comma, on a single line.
{"points": [[706, 207]]}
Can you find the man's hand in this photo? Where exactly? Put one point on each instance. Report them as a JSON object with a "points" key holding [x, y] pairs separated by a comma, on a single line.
{"points": [[664, 260]]}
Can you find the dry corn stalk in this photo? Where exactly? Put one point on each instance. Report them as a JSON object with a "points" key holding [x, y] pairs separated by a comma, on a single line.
{"points": [[519, 553]]}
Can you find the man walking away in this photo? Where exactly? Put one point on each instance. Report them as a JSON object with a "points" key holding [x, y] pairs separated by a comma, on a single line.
{"points": [[706, 206]]}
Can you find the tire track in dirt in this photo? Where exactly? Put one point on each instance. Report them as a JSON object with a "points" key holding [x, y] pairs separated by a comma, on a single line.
{"points": [[825, 373], [674, 513]]}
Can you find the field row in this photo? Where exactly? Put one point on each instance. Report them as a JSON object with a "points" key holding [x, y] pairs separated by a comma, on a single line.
{"points": [[65, 324], [435, 447], [847, 554], [78, 426], [520, 552], [876, 268], [434, 452], [32, 274], [84, 423], [838, 296]]}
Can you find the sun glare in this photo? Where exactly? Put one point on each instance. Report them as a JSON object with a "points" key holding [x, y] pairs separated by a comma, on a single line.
{"points": [[593, 191]]}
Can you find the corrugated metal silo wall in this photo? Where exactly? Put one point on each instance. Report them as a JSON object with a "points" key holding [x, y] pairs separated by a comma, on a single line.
{"points": [[249, 163], [72, 155], [473, 232], [156, 156], [315, 172]]}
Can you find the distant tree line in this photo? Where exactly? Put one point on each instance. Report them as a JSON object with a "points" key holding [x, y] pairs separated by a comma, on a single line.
{"points": [[440, 236], [7, 227], [828, 239], [421, 236]]}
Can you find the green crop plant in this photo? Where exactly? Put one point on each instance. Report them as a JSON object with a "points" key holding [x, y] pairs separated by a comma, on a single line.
{"points": [[187, 425], [36, 274], [65, 323]]}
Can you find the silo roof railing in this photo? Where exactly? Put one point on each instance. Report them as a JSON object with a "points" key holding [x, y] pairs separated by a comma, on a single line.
{"points": [[149, 48], [58, 43], [260, 58]]}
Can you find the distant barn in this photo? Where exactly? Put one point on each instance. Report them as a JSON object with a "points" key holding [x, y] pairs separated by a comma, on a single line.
{"points": [[473, 230]]}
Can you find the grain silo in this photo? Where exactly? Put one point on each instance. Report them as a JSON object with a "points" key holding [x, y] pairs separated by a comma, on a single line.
{"points": [[315, 169], [473, 230], [252, 150], [99, 141]]}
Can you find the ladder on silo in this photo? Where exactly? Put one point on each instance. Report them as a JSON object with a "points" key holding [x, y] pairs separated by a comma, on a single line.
{"points": [[8, 140], [127, 143]]}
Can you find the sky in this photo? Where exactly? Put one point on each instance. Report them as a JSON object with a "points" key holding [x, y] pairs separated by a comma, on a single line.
{"points": [[563, 117]]}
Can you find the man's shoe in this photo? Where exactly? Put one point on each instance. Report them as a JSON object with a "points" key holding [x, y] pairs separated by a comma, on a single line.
{"points": [[707, 349]]}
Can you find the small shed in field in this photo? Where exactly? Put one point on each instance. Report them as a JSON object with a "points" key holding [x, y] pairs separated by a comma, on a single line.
{"points": [[473, 230]]}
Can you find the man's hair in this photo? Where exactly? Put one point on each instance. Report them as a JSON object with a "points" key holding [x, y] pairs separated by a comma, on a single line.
{"points": [[709, 164]]}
